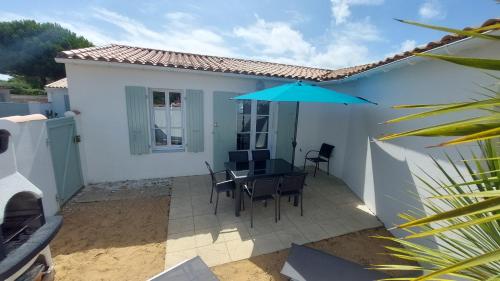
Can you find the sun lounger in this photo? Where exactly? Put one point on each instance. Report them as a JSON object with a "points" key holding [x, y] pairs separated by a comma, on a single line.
{"points": [[304, 263], [190, 270]]}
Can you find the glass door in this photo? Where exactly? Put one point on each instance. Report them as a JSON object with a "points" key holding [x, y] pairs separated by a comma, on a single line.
{"points": [[254, 124]]}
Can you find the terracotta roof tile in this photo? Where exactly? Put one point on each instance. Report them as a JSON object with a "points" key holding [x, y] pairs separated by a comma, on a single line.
{"points": [[59, 84], [147, 56]]}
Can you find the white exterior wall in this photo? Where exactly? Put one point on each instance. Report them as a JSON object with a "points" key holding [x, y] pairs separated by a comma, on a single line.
{"points": [[380, 173], [98, 92], [56, 98], [33, 159], [324, 123]]}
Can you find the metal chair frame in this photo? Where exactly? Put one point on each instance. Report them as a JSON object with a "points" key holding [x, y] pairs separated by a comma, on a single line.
{"points": [[324, 155]]}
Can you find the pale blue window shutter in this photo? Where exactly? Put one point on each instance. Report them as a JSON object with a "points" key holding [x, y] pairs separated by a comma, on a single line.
{"points": [[138, 121], [194, 122]]}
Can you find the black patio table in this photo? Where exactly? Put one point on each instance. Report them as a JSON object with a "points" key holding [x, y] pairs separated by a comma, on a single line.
{"points": [[242, 172]]}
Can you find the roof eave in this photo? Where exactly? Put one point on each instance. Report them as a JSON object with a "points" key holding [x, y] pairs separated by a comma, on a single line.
{"points": [[173, 69]]}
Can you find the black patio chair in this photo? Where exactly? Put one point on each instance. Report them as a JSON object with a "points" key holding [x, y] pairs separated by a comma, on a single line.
{"points": [[324, 154], [292, 185], [219, 186], [261, 155], [238, 156], [262, 189]]}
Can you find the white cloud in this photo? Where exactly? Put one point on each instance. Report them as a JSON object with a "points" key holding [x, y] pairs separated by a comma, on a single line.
{"points": [[179, 33], [432, 9], [90, 32], [341, 53], [180, 17], [362, 30], [275, 38], [280, 42], [406, 45], [341, 9]]}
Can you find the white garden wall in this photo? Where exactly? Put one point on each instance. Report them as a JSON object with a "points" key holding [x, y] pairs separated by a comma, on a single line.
{"points": [[380, 173], [33, 158]]}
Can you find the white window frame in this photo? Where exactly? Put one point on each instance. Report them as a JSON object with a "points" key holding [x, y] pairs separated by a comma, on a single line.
{"points": [[271, 130], [169, 147]]}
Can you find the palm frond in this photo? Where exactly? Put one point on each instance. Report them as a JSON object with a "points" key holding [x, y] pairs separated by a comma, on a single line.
{"points": [[482, 63]]}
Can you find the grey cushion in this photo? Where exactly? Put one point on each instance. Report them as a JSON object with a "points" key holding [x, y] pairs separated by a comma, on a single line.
{"points": [[191, 270], [304, 263]]}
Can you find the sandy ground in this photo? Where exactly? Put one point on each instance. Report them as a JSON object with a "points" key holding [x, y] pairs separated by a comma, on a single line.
{"points": [[112, 240], [358, 247], [125, 240]]}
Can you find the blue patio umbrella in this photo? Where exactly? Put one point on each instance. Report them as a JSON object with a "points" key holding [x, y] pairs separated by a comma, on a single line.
{"points": [[301, 92]]}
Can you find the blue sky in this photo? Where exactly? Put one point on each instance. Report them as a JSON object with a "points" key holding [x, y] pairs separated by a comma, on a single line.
{"points": [[324, 33]]}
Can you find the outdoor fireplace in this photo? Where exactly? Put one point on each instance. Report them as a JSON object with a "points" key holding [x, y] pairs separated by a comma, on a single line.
{"points": [[25, 232], [23, 215]]}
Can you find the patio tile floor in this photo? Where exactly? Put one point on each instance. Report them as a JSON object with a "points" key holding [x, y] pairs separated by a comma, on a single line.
{"points": [[330, 209]]}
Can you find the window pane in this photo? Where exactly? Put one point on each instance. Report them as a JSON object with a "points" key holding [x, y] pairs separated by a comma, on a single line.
{"points": [[175, 109], [161, 137], [243, 142], [175, 99], [158, 99], [160, 116], [175, 117], [263, 107], [243, 123], [176, 136], [245, 107], [260, 140], [262, 123]]}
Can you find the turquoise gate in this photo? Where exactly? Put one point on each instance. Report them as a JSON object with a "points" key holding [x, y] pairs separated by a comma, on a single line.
{"points": [[63, 142]]}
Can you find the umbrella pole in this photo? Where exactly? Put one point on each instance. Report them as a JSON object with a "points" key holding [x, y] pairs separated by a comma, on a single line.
{"points": [[294, 142]]}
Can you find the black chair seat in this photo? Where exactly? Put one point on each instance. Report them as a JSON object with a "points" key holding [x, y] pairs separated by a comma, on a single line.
{"points": [[225, 186], [248, 191], [219, 186], [289, 192], [262, 188], [316, 159]]}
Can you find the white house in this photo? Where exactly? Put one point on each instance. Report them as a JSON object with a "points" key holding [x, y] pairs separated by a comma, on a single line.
{"points": [[148, 113], [57, 94]]}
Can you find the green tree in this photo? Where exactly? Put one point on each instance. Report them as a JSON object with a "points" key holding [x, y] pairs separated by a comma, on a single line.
{"points": [[28, 49]]}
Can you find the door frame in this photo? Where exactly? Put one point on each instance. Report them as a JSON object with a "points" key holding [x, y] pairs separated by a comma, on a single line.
{"points": [[272, 126]]}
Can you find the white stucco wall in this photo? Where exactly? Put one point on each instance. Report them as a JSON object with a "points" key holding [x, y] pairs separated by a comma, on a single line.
{"points": [[380, 173], [33, 159], [98, 92], [323, 123], [56, 98]]}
